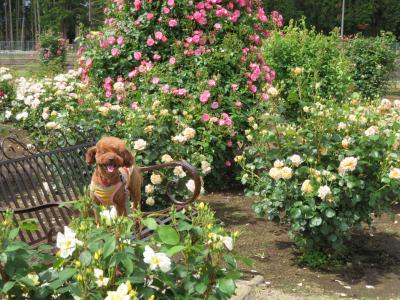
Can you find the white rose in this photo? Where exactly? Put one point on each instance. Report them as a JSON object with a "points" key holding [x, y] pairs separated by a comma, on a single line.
{"points": [[273, 92], [394, 173], [178, 171], [189, 133], [166, 158], [278, 164], [52, 125], [371, 131], [7, 114], [103, 110], [205, 167], [140, 145], [306, 187], [149, 189], [275, 173], [348, 164], [324, 191], [286, 173], [150, 201], [190, 185], [296, 160], [342, 126], [155, 179]]}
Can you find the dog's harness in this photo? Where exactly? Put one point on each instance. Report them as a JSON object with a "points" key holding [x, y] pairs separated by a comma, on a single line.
{"points": [[105, 194]]}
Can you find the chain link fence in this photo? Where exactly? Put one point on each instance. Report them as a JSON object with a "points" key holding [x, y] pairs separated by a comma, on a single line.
{"points": [[18, 46]]}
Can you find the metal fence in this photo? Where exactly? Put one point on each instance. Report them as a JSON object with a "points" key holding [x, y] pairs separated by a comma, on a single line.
{"points": [[15, 46]]}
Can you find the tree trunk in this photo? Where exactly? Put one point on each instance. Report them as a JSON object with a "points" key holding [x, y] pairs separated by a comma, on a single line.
{"points": [[11, 22]]}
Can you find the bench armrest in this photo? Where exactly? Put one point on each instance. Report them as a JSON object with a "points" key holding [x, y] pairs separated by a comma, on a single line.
{"points": [[189, 169]]}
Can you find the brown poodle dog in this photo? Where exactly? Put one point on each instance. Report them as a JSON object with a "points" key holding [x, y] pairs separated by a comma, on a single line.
{"points": [[116, 178]]}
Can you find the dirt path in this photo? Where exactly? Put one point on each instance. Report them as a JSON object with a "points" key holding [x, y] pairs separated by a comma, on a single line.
{"points": [[372, 273]]}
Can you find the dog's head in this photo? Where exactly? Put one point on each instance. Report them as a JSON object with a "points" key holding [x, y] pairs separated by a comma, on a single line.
{"points": [[109, 154]]}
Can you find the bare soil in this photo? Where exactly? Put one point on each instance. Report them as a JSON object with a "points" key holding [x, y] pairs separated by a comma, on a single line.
{"points": [[372, 272]]}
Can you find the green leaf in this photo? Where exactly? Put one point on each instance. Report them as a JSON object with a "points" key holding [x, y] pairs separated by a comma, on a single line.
{"points": [[316, 221], [150, 223], [330, 213], [127, 262], [200, 287], [13, 233], [8, 286], [108, 248], [56, 284], [295, 213], [184, 226], [227, 286], [174, 250], [168, 234], [85, 258], [67, 273], [29, 225]]}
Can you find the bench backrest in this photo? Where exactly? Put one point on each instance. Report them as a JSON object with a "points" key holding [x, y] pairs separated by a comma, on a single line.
{"points": [[41, 178]]}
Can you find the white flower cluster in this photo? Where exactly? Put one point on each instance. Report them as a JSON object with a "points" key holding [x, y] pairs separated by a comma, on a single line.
{"points": [[187, 134], [280, 171], [5, 74]]}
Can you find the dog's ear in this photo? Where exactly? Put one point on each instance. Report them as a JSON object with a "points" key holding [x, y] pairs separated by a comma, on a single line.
{"points": [[128, 158], [90, 155]]}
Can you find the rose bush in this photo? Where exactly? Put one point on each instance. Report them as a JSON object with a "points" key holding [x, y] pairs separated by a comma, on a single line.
{"points": [[6, 92], [178, 65], [52, 48], [324, 185], [192, 257]]}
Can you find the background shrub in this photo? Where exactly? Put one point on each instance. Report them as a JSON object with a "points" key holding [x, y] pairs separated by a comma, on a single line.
{"points": [[307, 64], [373, 60]]}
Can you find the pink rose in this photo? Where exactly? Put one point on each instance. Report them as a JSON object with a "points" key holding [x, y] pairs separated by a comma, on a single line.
{"points": [[114, 52], [155, 80], [149, 16], [205, 117], [228, 163], [156, 56], [120, 40], [234, 87], [137, 55], [166, 10], [211, 82], [217, 26], [214, 105], [229, 143], [89, 62], [172, 23], [111, 40], [165, 88], [150, 42], [172, 60], [238, 104], [204, 96], [104, 44], [158, 35], [171, 2]]}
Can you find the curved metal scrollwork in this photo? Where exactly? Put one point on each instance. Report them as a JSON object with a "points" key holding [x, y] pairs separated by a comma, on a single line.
{"points": [[11, 147], [189, 169]]}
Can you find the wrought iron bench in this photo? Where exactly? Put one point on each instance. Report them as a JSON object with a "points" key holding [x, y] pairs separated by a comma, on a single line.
{"points": [[36, 184]]}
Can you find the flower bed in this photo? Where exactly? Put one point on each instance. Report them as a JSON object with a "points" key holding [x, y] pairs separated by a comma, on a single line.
{"points": [[189, 258]]}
